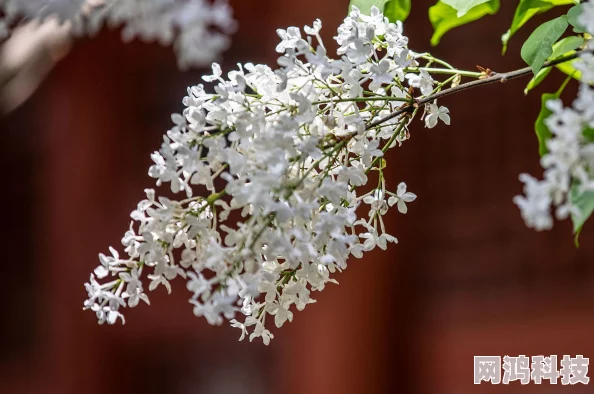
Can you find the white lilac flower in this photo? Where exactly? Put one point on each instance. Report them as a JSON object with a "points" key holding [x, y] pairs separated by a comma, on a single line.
{"points": [[434, 113], [422, 80], [198, 29], [401, 198], [586, 66], [568, 162], [273, 168], [568, 165], [377, 203], [586, 18], [64, 10]]}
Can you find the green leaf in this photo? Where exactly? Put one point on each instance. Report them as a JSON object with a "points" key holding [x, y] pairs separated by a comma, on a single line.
{"points": [[444, 18], [584, 201], [463, 6], [565, 46], [542, 131], [539, 46], [365, 5], [569, 69], [537, 79], [394, 10], [527, 9], [397, 10], [589, 134], [572, 17], [576, 238]]}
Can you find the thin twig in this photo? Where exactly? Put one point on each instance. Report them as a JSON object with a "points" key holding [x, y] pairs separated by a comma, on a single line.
{"points": [[494, 78]]}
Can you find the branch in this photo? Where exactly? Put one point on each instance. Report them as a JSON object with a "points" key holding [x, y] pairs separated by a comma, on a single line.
{"points": [[494, 78]]}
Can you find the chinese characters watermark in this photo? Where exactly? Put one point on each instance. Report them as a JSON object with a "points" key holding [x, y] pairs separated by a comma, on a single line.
{"points": [[573, 370]]}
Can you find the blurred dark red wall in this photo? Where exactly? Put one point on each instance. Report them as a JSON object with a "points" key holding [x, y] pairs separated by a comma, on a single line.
{"points": [[467, 278]]}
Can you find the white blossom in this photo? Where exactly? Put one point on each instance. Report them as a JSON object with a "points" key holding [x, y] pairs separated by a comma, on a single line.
{"points": [[272, 171], [198, 29], [586, 18], [401, 198], [422, 80], [569, 163], [433, 113]]}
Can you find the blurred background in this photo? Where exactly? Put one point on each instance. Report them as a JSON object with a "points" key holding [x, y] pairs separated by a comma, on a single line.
{"points": [[467, 278]]}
